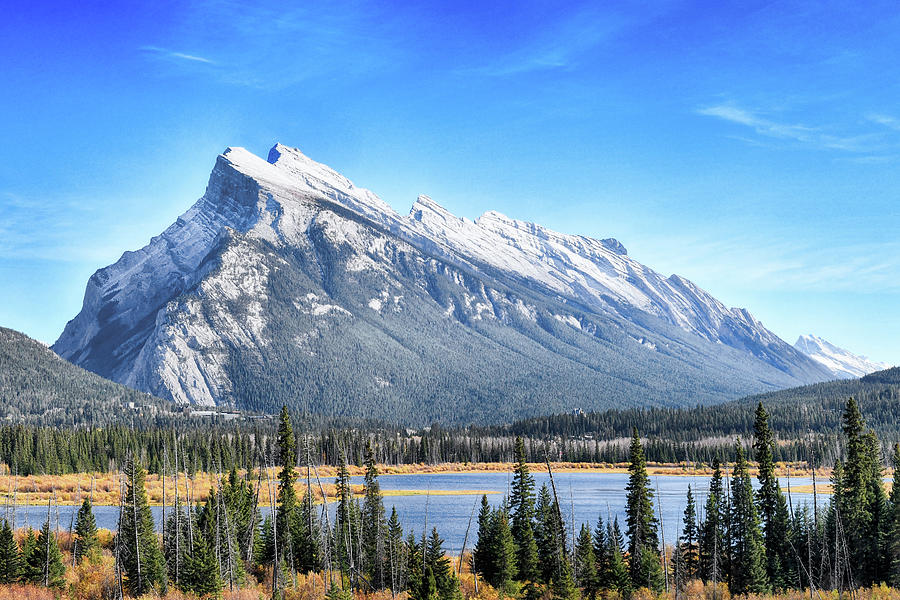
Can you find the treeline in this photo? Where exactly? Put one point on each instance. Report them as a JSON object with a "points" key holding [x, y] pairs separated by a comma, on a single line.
{"points": [[225, 543], [745, 540], [751, 541]]}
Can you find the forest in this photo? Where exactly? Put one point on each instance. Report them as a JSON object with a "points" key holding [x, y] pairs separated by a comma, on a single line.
{"points": [[251, 538]]}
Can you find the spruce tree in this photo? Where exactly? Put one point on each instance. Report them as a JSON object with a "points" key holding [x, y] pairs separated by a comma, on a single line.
{"points": [[688, 554], [618, 576], [586, 564], [503, 551], [772, 506], [141, 558], [10, 557], [748, 564], [32, 568], [643, 541], [373, 524], [602, 555], [483, 555], [396, 555], [436, 561], [521, 504], [287, 521], [177, 544], [201, 572], [45, 562], [712, 531], [86, 542], [894, 536]]}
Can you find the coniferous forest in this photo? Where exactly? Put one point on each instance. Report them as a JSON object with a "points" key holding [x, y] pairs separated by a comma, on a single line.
{"points": [[253, 538]]}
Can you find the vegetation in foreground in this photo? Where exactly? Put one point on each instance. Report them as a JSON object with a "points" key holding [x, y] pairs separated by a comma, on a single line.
{"points": [[743, 541]]}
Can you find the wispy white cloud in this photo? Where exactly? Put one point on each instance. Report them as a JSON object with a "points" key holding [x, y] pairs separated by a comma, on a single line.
{"points": [[775, 262], [559, 46], [171, 54], [812, 136], [886, 120]]}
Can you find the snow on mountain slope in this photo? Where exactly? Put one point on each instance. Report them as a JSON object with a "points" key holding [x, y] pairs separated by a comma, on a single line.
{"points": [[207, 309], [842, 363]]}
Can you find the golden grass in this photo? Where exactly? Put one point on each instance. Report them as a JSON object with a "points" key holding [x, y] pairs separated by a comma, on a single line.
{"points": [[71, 489]]}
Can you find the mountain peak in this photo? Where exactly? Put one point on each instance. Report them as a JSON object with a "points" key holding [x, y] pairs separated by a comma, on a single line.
{"points": [[842, 363]]}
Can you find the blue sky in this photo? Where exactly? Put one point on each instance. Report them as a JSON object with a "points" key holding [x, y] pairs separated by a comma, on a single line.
{"points": [[752, 147]]}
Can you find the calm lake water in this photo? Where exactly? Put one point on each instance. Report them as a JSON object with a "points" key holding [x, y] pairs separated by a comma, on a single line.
{"points": [[583, 497]]}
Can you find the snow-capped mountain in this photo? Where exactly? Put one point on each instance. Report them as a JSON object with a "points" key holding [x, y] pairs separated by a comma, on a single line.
{"points": [[843, 364], [287, 283]]}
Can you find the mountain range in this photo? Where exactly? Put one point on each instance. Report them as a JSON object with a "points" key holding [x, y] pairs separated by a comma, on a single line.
{"points": [[287, 283], [842, 363]]}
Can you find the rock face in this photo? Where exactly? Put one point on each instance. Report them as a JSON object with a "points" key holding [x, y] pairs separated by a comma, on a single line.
{"points": [[287, 283], [843, 364]]}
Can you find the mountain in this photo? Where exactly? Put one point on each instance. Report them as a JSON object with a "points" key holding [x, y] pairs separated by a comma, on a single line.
{"points": [[38, 386], [842, 363], [286, 283]]}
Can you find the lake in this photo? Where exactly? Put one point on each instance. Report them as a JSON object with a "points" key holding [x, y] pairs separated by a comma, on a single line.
{"points": [[583, 496]]}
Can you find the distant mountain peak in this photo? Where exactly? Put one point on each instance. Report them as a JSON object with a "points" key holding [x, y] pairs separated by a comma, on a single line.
{"points": [[842, 363]]}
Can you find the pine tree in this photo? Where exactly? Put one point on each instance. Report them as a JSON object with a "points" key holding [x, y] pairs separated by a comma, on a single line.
{"points": [[345, 524], [142, 559], [32, 568], [396, 554], [712, 531], [45, 561], [177, 544], [521, 504], [483, 555], [586, 564], [503, 551], [550, 536], [748, 565], [201, 572], [643, 545], [602, 555], [437, 563], [772, 506], [618, 576], [688, 554], [287, 520], [86, 542], [894, 539], [373, 524], [563, 586], [10, 557]]}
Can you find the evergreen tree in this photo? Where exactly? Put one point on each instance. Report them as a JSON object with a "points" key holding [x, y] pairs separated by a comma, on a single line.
{"points": [[586, 564], [141, 555], [201, 572], [437, 563], [563, 586], [503, 551], [32, 568], [773, 511], [483, 555], [550, 535], [522, 510], [712, 531], [177, 544], [45, 564], [373, 524], [602, 555], [287, 520], [618, 576], [688, 553], [894, 538], [643, 545], [396, 554], [346, 524], [10, 557], [86, 542], [748, 564]]}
